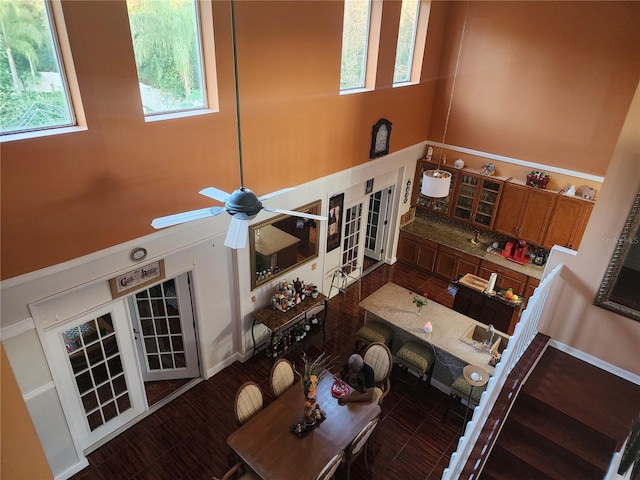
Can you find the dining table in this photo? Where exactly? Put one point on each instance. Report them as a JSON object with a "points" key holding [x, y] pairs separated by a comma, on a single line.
{"points": [[267, 444]]}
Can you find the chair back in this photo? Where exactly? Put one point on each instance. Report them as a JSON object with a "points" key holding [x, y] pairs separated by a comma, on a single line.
{"points": [[249, 401], [378, 356], [282, 376], [330, 468], [361, 439]]}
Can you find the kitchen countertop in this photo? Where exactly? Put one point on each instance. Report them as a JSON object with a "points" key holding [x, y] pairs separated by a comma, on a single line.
{"points": [[460, 240], [394, 304]]}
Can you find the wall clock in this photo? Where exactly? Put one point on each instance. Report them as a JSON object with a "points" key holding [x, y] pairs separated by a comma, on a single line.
{"points": [[380, 138], [138, 254]]}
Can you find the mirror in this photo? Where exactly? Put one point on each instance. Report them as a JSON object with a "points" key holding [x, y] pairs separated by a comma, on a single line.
{"points": [[619, 288], [282, 243]]}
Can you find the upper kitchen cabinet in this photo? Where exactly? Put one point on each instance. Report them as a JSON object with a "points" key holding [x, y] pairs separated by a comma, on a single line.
{"points": [[476, 199], [525, 212], [437, 205], [568, 222]]}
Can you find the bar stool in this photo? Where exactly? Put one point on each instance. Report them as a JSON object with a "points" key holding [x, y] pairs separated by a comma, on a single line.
{"points": [[418, 357], [469, 386], [373, 331]]}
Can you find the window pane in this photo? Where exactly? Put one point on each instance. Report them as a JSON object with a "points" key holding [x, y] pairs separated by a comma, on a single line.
{"points": [[33, 91], [406, 40], [166, 42], [355, 39]]}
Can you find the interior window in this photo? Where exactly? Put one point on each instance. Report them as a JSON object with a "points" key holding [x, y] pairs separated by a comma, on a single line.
{"points": [[406, 40], [355, 40], [168, 50], [33, 88]]}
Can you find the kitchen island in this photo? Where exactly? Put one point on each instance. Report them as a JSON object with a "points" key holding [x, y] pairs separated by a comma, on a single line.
{"points": [[393, 305]]}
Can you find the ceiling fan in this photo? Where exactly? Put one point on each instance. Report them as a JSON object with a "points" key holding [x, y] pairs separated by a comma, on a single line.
{"points": [[242, 204]]}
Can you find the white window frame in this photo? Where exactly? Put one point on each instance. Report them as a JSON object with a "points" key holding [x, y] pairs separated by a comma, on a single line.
{"points": [[419, 44]]}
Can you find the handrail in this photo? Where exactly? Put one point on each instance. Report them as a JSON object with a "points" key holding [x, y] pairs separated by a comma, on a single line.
{"points": [[526, 329]]}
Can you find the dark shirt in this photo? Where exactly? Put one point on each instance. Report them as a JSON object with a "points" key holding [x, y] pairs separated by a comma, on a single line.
{"points": [[362, 380]]}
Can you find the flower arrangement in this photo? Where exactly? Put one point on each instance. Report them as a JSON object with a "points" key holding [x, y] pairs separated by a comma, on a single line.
{"points": [[537, 179], [420, 301], [312, 373]]}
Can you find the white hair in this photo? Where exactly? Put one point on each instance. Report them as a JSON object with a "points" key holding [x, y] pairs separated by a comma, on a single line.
{"points": [[355, 362]]}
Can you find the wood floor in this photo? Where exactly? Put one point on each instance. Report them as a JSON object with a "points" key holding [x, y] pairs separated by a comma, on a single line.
{"points": [[186, 439]]}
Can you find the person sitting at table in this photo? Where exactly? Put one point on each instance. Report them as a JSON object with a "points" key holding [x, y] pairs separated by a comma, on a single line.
{"points": [[360, 377]]}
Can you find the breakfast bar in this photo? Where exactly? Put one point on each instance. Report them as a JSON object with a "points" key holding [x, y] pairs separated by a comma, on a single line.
{"points": [[394, 305]]}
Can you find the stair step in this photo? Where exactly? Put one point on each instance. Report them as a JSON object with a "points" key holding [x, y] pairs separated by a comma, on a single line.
{"points": [[578, 439], [554, 462], [504, 465]]}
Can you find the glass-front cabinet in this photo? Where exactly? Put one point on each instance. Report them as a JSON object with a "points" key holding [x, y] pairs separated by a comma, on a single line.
{"points": [[477, 199], [437, 205]]}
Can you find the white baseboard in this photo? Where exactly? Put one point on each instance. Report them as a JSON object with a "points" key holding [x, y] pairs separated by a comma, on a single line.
{"points": [[70, 472], [224, 364], [596, 362]]}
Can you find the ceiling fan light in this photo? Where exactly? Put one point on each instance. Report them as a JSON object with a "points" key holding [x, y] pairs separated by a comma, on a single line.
{"points": [[435, 183], [244, 201]]}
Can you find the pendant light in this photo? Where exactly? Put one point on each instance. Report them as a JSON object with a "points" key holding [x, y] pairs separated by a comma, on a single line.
{"points": [[436, 183]]}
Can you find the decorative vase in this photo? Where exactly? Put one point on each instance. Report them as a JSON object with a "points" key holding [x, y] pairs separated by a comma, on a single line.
{"points": [[419, 310]]}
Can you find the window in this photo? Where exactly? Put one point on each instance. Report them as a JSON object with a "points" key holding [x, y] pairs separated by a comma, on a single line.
{"points": [[355, 39], [33, 88], [168, 50], [406, 40]]}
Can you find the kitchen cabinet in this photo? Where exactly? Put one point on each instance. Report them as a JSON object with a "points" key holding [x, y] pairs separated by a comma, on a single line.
{"points": [[568, 222], [476, 199], [532, 284], [524, 212], [437, 205], [506, 278], [451, 263], [417, 251], [486, 309]]}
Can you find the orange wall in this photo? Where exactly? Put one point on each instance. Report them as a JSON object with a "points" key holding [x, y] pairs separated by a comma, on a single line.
{"points": [[22, 454], [68, 195], [547, 82]]}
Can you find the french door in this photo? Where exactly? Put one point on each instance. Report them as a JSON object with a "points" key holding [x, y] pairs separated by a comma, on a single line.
{"points": [[351, 254], [377, 221], [102, 390], [163, 324]]}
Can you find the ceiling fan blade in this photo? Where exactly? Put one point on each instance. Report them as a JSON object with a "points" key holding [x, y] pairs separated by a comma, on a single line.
{"points": [[276, 193], [184, 217], [215, 193], [238, 232], [295, 214]]}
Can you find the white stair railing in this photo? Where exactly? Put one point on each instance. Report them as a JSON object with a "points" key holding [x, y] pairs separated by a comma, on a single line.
{"points": [[524, 333]]}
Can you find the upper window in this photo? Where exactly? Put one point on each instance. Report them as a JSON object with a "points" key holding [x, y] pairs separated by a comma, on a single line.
{"points": [[33, 89], [406, 40], [355, 40], [168, 51]]}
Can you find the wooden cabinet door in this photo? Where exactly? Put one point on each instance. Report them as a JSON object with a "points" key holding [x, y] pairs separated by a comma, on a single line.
{"points": [[427, 252], [506, 278], [511, 209], [524, 212], [407, 248], [476, 199], [568, 222], [537, 215], [451, 263]]}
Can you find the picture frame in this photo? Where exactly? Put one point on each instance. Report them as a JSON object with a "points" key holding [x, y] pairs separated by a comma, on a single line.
{"points": [[334, 228], [380, 138], [368, 187]]}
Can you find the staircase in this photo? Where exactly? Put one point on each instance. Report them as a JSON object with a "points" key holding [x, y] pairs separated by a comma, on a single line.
{"points": [[567, 422]]}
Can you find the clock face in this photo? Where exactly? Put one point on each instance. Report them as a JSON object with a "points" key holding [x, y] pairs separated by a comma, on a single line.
{"points": [[381, 139]]}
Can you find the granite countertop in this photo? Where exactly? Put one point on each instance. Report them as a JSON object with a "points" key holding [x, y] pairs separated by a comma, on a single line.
{"points": [[460, 240], [394, 304]]}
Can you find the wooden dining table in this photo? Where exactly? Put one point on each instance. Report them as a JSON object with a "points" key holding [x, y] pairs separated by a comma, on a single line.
{"points": [[267, 445]]}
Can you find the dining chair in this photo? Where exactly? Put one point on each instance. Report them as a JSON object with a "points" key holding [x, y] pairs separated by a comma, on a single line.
{"points": [[360, 445], [330, 468], [249, 401], [239, 472], [282, 377], [378, 356]]}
